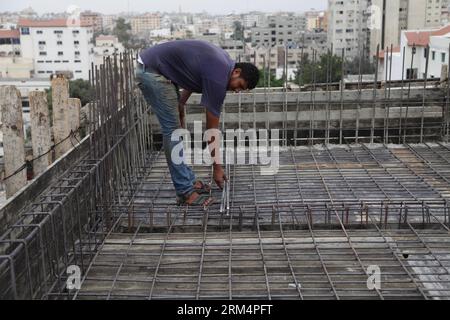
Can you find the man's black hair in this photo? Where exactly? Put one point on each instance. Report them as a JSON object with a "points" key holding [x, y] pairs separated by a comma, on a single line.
{"points": [[250, 74]]}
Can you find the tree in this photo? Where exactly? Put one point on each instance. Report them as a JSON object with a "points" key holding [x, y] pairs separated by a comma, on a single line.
{"points": [[274, 82], [122, 31], [82, 90], [328, 68], [79, 88], [359, 65]]}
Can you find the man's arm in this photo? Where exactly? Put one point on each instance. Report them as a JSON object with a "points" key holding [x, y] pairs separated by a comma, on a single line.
{"points": [[212, 122], [184, 97]]}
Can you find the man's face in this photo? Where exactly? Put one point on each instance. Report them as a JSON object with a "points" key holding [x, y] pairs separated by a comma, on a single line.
{"points": [[237, 83]]}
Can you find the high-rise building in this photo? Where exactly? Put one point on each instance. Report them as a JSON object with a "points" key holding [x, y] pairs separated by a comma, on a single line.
{"points": [[348, 27]]}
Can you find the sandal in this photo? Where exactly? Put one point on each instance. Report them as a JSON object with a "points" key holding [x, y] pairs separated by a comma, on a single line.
{"points": [[204, 189], [200, 201]]}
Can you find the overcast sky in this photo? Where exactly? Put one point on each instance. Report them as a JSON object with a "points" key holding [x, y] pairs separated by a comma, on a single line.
{"points": [[212, 6]]}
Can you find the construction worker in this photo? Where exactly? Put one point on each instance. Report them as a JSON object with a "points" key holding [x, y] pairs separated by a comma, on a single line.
{"points": [[194, 66]]}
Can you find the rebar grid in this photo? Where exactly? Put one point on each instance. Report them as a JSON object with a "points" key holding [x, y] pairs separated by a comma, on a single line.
{"points": [[299, 248], [352, 179], [294, 264]]}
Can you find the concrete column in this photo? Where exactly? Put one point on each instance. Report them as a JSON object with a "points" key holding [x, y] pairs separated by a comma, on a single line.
{"points": [[41, 135], [13, 138], [74, 113], [61, 127]]}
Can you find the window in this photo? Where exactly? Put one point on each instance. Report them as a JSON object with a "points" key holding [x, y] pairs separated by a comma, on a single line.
{"points": [[39, 32], [433, 55], [25, 31], [42, 43], [443, 56], [60, 53], [58, 32], [76, 43], [59, 43], [43, 53]]}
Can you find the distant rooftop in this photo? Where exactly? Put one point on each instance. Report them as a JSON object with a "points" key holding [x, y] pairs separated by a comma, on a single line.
{"points": [[48, 23], [381, 54], [7, 34], [103, 37], [422, 38]]}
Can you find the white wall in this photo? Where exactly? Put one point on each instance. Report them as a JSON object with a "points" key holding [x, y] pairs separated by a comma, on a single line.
{"points": [[290, 73], [16, 67], [440, 45]]}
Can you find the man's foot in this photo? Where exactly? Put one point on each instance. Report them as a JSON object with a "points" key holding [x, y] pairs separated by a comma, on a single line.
{"points": [[196, 200], [202, 188]]}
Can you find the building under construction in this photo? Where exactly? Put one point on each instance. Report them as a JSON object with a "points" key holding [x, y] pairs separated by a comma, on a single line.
{"points": [[363, 182]]}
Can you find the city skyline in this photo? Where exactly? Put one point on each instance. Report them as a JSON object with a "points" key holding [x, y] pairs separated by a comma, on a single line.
{"points": [[120, 6]]}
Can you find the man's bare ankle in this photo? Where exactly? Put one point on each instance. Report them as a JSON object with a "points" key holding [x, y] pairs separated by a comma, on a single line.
{"points": [[192, 197]]}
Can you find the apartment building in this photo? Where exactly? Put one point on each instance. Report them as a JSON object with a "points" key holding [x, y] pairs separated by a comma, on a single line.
{"points": [[109, 22], [315, 41], [106, 45], [54, 47], [264, 58], [316, 20], [348, 27], [145, 23], [93, 19], [235, 48], [252, 20], [12, 64], [280, 29]]}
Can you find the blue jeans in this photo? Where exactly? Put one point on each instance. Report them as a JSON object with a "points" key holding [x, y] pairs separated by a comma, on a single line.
{"points": [[163, 96]]}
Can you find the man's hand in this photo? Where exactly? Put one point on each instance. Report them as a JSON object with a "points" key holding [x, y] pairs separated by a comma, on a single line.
{"points": [[219, 176], [212, 122]]}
